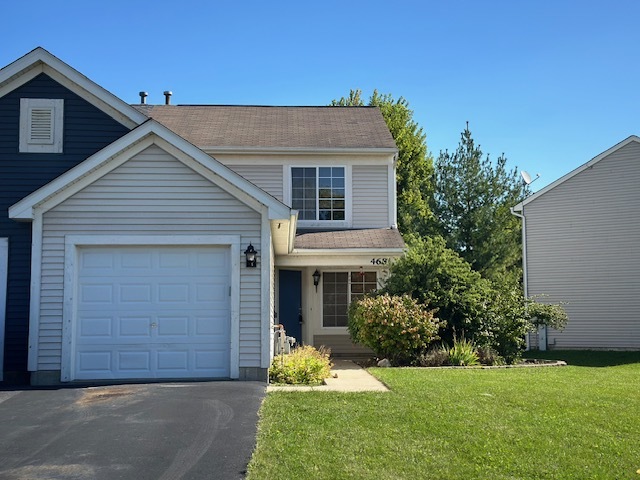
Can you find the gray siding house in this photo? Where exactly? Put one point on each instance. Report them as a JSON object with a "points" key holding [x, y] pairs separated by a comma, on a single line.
{"points": [[126, 230], [581, 245]]}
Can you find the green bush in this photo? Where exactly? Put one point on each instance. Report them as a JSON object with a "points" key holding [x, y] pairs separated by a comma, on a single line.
{"points": [[440, 279], [488, 356], [303, 366], [463, 353], [491, 314], [394, 327], [434, 357]]}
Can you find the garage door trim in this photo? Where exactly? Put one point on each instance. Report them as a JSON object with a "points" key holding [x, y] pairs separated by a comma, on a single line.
{"points": [[74, 242]]}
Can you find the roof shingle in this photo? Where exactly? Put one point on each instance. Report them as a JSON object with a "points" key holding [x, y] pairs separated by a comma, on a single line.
{"points": [[275, 127], [338, 239]]}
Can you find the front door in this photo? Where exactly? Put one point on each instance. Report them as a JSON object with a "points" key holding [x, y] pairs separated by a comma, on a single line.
{"points": [[290, 301]]}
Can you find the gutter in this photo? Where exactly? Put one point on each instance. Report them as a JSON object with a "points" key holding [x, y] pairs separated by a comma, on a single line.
{"points": [[542, 338]]}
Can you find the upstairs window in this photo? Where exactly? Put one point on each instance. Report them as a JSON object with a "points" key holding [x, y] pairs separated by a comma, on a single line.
{"points": [[318, 193], [41, 121]]}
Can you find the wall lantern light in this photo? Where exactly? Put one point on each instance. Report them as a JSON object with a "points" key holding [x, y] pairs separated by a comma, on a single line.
{"points": [[250, 253], [316, 279]]}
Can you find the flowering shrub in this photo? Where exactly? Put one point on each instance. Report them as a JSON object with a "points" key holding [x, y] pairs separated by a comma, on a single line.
{"points": [[303, 366], [394, 327]]}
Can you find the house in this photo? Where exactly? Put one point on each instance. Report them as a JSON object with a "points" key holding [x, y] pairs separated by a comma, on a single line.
{"points": [[581, 245], [166, 241]]}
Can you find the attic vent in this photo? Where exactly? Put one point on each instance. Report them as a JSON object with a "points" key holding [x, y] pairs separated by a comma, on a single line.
{"points": [[41, 126], [41, 122]]}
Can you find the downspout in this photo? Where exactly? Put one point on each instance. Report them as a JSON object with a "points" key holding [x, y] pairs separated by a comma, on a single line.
{"points": [[543, 337]]}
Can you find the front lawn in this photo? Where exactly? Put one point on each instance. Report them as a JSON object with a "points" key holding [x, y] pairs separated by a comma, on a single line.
{"points": [[554, 422]]}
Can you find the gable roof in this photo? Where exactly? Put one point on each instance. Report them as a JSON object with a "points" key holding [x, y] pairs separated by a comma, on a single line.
{"points": [[125, 147], [573, 173], [225, 127], [40, 61]]}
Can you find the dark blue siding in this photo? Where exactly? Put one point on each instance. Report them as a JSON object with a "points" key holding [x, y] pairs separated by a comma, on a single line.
{"points": [[86, 130]]}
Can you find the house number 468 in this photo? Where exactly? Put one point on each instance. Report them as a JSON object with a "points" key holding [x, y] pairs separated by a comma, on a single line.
{"points": [[379, 261]]}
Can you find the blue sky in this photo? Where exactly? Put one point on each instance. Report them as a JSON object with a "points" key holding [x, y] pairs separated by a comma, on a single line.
{"points": [[549, 83]]}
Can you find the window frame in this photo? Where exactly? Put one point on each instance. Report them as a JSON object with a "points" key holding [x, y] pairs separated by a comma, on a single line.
{"points": [[350, 294], [30, 145], [288, 193]]}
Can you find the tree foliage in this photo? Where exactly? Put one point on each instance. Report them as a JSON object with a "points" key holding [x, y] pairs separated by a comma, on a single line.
{"points": [[491, 314], [414, 168], [472, 201], [439, 278]]}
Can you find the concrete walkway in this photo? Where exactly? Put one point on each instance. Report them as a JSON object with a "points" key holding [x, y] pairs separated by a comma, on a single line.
{"points": [[347, 377]]}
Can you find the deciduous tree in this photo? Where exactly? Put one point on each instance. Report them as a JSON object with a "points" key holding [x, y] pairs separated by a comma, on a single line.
{"points": [[414, 168]]}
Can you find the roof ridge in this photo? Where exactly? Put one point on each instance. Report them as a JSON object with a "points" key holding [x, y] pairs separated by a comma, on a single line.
{"points": [[253, 105]]}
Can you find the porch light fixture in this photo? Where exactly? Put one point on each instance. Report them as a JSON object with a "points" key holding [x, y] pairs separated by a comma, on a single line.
{"points": [[250, 253], [316, 279]]}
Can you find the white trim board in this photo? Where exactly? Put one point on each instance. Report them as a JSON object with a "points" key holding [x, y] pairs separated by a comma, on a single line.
{"points": [[4, 267], [40, 61], [633, 138], [151, 132], [73, 242]]}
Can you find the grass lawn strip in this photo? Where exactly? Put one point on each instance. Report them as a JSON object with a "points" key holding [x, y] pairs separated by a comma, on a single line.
{"points": [[570, 422]]}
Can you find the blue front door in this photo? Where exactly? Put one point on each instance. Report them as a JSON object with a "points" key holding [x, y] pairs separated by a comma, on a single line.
{"points": [[290, 300]]}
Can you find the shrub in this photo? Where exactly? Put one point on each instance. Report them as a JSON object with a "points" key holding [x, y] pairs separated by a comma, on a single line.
{"points": [[434, 357], [491, 314], [463, 353], [488, 356], [303, 366], [442, 280], [394, 327]]}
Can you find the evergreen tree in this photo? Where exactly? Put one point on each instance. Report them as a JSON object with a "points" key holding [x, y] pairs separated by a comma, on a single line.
{"points": [[472, 201]]}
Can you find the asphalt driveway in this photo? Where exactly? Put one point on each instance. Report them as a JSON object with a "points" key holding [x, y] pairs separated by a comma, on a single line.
{"points": [[163, 431]]}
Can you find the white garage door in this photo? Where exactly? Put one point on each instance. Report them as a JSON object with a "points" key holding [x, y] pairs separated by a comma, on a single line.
{"points": [[152, 312]]}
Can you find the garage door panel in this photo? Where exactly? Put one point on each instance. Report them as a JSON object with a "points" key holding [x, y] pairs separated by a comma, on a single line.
{"points": [[99, 327], [136, 260], [173, 327], [135, 361], [97, 364], [135, 293], [174, 360], [152, 312], [91, 293], [134, 328]]}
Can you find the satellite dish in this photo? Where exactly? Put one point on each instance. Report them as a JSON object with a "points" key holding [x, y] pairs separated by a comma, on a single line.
{"points": [[527, 178]]}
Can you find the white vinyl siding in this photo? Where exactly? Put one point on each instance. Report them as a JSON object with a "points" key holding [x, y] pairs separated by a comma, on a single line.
{"points": [[151, 194], [370, 196], [370, 190], [267, 177], [582, 248]]}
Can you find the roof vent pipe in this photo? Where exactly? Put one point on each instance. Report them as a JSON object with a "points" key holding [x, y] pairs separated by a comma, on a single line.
{"points": [[143, 97], [167, 97]]}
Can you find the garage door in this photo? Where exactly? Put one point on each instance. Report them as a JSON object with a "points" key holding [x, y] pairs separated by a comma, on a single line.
{"points": [[152, 312]]}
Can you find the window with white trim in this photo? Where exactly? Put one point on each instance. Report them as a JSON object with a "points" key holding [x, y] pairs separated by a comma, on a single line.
{"points": [[318, 193], [339, 289], [41, 122]]}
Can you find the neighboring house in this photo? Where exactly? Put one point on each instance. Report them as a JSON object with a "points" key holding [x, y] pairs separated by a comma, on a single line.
{"points": [[126, 231], [582, 246]]}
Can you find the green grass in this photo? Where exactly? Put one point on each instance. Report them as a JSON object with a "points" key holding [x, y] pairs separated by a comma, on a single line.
{"points": [[558, 422]]}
